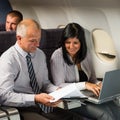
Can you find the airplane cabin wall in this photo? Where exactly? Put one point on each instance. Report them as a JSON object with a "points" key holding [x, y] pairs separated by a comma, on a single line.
{"points": [[88, 13]]}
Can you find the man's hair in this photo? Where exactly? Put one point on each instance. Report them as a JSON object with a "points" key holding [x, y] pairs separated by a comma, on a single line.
{"points": [[24, 25], [16, 13]]}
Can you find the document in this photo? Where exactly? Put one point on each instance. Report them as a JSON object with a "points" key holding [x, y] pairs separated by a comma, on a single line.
{"points": [[68, 91]]}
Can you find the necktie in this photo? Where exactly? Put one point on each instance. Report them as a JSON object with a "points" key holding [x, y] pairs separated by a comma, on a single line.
{"points": [[34, 84]]}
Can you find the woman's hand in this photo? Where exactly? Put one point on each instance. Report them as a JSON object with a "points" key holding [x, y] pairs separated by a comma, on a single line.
{"points": [[45, 99], [95, 88]]}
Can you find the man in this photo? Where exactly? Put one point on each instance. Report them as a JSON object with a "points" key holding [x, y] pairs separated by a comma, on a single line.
{"points": [[16, 86], [12, 20]]}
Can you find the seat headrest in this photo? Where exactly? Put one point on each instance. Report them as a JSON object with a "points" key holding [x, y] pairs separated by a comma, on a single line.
{"points": [[7, 39], [2, 27], [50, 38]]}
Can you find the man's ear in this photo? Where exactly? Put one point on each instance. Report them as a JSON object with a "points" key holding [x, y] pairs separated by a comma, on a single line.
{"points": [[18, 37]]}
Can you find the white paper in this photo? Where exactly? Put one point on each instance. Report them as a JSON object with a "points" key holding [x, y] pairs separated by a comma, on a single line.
{"points": [[66, 92]]}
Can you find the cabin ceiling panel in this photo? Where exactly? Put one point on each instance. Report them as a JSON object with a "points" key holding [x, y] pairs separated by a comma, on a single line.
{"points": [[102, 3]]}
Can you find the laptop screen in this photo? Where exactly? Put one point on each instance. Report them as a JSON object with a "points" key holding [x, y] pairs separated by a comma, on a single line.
{"points": [[111, 85]]}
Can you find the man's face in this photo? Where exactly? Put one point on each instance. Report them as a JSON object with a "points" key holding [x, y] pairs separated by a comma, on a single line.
{"points": [[31, 41], [11, 23]]}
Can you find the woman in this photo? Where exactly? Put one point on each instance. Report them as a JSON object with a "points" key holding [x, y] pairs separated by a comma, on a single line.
{"points": [[71, 63]]}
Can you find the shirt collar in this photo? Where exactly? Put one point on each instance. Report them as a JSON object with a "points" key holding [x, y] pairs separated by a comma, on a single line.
{"points": [[22, 52]]}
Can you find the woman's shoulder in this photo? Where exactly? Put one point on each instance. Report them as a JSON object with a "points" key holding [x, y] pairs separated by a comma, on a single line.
{"points": [[58, 51], [89, 56]]}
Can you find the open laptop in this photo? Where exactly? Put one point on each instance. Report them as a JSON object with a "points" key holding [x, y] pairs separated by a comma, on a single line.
{"points": [[110, 88]]}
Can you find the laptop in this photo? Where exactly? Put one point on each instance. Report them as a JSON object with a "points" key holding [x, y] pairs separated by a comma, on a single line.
{"points": [[110, 88]]}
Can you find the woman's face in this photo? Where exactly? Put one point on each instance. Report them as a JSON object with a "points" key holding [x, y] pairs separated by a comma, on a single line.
{"points": [[72, 46]]}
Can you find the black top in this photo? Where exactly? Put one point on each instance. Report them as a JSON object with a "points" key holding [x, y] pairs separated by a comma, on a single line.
{"points": [[83, 76]]}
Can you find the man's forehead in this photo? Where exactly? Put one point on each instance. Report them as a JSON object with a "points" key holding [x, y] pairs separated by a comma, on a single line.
{"points": [[10, 18]]}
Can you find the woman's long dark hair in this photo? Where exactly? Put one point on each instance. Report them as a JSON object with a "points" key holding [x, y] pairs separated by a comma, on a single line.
{"points": [[70, 31]]}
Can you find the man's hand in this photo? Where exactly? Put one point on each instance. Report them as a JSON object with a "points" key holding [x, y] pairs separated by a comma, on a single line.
{"points": [[45, 99]]}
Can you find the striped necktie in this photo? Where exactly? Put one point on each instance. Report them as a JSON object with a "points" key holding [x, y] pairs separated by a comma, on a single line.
{"points": [[34, 84]]}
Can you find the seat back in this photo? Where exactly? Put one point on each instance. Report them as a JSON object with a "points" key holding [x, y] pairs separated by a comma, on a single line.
{"points": [[7, 39], [2, 27], [50, 40]]}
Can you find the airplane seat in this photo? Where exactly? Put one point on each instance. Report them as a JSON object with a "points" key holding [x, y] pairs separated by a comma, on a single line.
{"points": [[50, 40], [7, 39], [103, 52], [5, 7], [2, 27]]}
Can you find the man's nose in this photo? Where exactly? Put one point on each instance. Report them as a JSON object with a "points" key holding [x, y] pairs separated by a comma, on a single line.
{"points": [[10, 26], [37, 43]]}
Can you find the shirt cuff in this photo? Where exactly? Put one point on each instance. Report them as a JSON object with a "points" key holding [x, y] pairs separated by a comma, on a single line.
{"points": [[80, 85], [30, 100]]}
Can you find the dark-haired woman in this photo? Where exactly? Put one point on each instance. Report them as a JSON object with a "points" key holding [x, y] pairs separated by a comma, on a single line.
{"points": [[71, 63]]}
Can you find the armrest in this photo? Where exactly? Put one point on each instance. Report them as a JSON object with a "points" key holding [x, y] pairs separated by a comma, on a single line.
{"points": [[9, 113]]}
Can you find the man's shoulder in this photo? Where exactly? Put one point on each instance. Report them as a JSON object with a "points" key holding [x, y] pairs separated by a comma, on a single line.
{"points": [[40, 54], [9, 52], [39, 51]]}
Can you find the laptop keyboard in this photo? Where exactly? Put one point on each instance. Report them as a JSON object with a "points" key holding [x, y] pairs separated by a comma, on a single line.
{"points": [[89, 94], [94, 96]]}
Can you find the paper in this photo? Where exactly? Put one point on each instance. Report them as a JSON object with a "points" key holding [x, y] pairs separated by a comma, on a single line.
{"points": [[66, 92]]}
